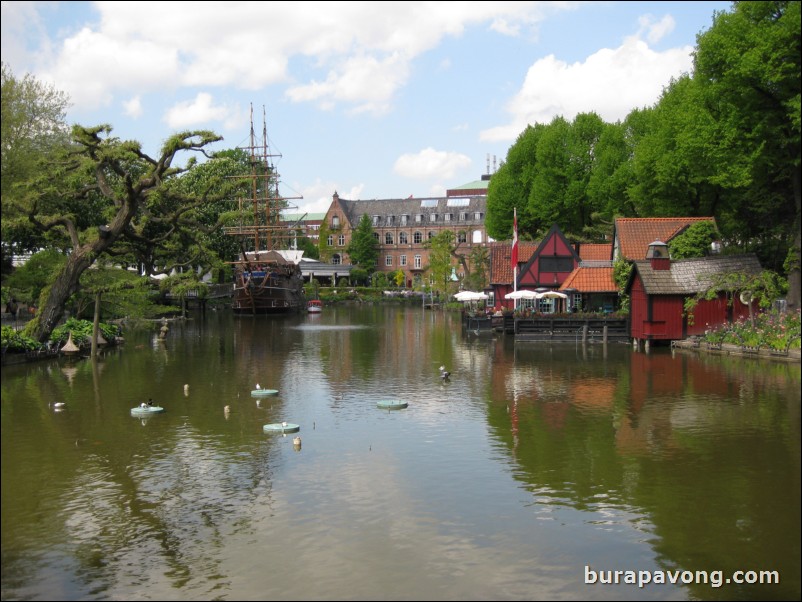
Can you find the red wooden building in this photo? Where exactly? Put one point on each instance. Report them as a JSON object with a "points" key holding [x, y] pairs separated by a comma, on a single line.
{"points": [[658, 288]]}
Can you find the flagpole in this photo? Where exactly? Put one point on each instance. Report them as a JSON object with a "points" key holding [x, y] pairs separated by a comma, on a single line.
{"points": [[515, 254]]}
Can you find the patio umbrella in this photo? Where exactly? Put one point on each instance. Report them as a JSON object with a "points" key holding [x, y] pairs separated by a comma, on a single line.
{"points": [[470, 296], [522, 294]]}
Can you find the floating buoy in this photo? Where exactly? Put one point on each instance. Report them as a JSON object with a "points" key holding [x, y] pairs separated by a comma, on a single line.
{"points": [[146, 410], [282, 427], [59, 405], [391, 404], [186, 389], [264, 392]]}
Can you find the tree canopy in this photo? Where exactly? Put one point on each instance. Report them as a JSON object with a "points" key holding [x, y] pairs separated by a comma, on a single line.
{"points": [[721, 142]]}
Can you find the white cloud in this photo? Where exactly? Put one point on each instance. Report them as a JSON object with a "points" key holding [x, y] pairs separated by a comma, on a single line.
{"points": [[610, 82], [133, 107], [657, 31], [430, 163], [362, 50], [199, 111], [317, 197], [367, 83]]}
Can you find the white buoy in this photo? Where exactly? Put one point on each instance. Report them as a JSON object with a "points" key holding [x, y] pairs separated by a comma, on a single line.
{"points": [[59, 405]]}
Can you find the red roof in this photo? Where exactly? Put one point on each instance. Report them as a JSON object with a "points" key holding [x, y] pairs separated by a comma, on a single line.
{"points": [[591, 280], [634, 234], [595, 252], [501, 259]]}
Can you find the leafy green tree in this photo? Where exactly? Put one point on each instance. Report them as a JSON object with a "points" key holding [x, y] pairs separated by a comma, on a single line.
{"points": [[441, 249], [748, 65], [325, 250], [511, 185], [309, 248], [28, 281], [139, 205], [33, 122], [363, 248], [479, 261], [694, 242]]}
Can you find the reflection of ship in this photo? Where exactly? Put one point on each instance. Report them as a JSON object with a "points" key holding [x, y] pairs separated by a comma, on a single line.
{"points": [[267, 276]]}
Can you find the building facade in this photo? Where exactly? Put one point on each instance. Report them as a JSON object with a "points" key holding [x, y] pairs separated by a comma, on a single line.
{"points": [[403, 227]]}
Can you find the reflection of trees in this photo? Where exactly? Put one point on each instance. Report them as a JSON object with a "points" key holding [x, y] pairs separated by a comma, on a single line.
{"points": [[125, 500], [665, 435]]}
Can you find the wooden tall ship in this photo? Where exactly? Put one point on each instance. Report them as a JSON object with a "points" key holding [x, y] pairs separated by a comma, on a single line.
{"points": [[267, 273]]}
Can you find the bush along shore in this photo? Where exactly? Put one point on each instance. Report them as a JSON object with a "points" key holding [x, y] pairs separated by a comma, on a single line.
{"points": [[18, 347], [769, 334]]}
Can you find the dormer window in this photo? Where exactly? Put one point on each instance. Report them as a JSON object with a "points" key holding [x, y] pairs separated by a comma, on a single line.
{"points": [[376, 220], [657, 250], [335, 221]]}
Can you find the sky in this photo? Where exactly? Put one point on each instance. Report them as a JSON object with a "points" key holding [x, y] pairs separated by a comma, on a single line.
{"points": [[373, 100]]}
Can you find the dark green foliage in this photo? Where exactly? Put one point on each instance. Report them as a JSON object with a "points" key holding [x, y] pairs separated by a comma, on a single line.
{"points": [[363, 248], [694, 242]]}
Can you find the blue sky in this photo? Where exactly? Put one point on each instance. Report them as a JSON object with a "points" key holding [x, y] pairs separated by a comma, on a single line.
{"points": [[373, 100]]}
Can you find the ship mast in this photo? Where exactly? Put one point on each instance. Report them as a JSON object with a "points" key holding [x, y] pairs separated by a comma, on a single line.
{"points": [[266, 231]]}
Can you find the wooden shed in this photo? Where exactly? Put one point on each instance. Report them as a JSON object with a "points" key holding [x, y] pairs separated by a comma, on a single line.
{"points": [[658, 288]]}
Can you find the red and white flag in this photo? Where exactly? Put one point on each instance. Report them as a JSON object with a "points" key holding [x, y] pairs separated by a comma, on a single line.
{"points": [[515, 239]]}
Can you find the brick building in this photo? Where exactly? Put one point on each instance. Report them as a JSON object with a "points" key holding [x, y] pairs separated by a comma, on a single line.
{"points": [[403, 226]]}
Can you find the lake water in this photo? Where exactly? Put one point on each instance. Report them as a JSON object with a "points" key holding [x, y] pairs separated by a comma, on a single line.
{"points": [[535, 470]]}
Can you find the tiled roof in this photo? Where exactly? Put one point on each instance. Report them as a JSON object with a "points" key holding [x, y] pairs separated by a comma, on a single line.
{"points": [[591, 280], [690, 276], [633, 235], [501, 259], [594, 251]]}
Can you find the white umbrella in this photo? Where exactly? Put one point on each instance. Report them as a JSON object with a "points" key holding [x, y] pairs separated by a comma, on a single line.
{"points": [[554, 295], [522, 294], [470, 296]]}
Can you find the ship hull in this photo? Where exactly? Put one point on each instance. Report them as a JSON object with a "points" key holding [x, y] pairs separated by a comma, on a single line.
{"points": [[257, 292]]}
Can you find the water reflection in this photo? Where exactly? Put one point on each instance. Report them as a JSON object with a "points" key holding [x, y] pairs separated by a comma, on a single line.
{"points": [[530, 463]]}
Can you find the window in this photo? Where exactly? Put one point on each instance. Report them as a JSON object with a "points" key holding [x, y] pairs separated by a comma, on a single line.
{"points": [[402, 238], [556, 264], [448, 217], [388, 260], [463, 216], [461, 236], [336, 259], [430, 236], [402, 260], [417, 238], [388, 238], [376, 220], [417, 262], [477, 216], [335, 221], [341, 240], [376, 236], [477, 236], [404, 220], [418, 218], [330, 240], [390, 219], [432, 217]]}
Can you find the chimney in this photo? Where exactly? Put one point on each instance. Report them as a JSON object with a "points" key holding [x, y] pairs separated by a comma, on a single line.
{"points": [[658, 254]]}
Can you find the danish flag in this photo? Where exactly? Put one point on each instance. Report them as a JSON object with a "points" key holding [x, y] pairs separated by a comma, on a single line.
{"points": [[515, 239]]}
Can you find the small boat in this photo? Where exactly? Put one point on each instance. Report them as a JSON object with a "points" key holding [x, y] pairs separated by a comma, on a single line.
{"points": [[314, 306]]}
